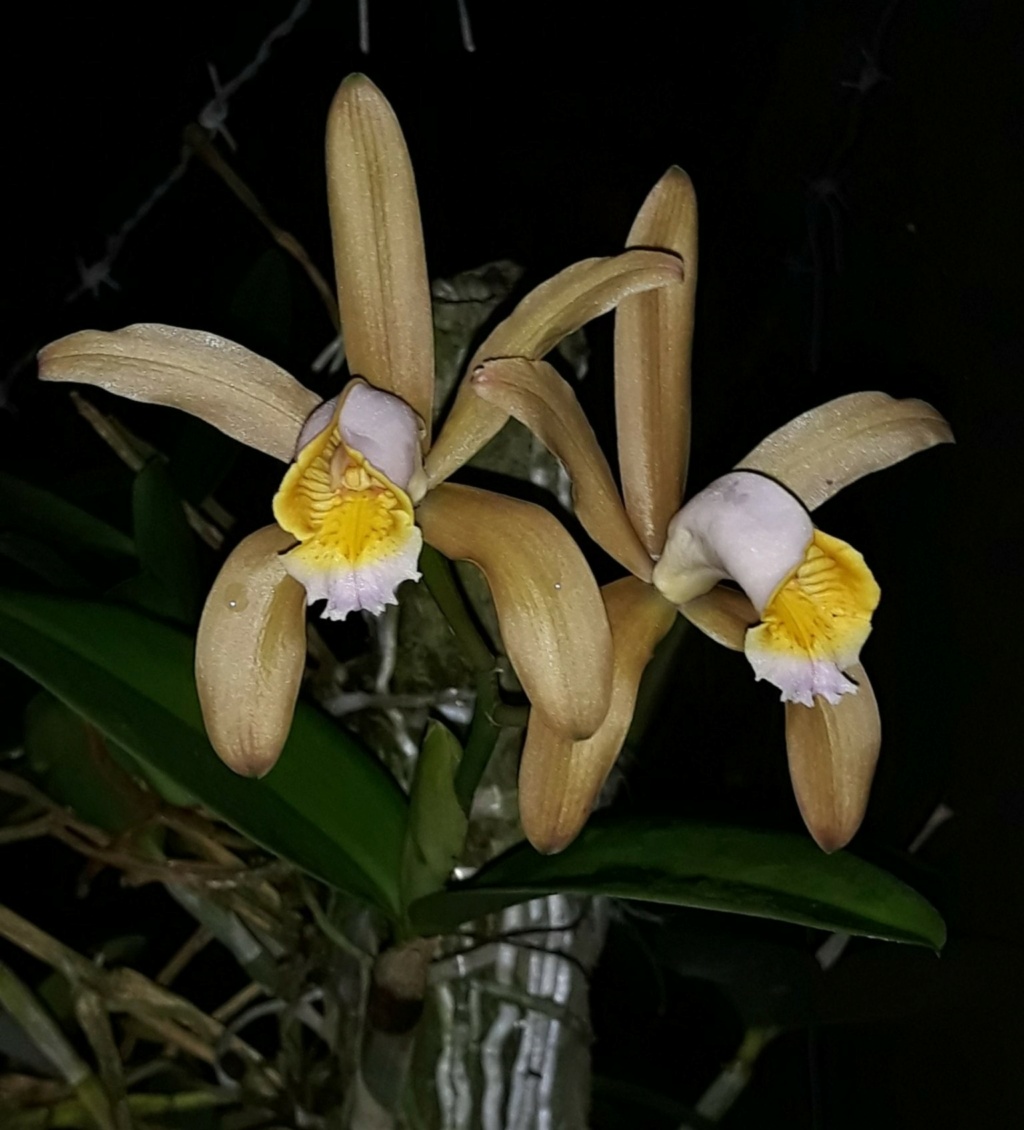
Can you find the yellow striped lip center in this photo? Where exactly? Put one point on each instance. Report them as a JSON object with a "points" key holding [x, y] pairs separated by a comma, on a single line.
{"points": [[339, 506], [823, 608]]}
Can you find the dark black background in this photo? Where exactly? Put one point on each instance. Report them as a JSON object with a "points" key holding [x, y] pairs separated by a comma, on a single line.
{"points": [[850, 239]]}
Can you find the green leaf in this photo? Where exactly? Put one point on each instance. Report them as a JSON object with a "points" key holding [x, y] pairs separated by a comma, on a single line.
{"points": [[437, 825], [42, 562], [766, 874], [73, 766], [200, 459], [41, 514], [328, 805], [166, 545]]}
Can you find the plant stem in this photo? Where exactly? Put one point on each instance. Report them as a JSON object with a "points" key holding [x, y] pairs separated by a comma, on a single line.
{"points": [[71, 1112], [40, 1027], [487, 717], [437, 574], [483, 736]]}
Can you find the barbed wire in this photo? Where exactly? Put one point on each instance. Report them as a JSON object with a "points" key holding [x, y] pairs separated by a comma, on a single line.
{"points": [[96, 275], [213, 118]]}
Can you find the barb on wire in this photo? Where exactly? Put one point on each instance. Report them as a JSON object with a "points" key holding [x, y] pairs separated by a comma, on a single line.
{"points": [[214, 115], [92, 276], [213, 118]]}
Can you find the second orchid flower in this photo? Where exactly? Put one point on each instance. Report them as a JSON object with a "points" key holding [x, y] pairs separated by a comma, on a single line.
{"points": [[802, 606]]}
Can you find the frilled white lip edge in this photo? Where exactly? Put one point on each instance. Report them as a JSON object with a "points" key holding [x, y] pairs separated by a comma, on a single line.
{"points": [[798, 678], [369, 587], [747, 528]]}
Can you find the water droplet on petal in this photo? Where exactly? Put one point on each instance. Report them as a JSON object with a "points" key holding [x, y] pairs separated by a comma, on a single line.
{"points": [[235, 597]]}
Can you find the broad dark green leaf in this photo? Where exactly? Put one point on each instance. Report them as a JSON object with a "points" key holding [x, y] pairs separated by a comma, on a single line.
{"points": [[328, 805], [165, 543], [766, 874], [200, 459], [70, 760], [436, 832], [32, 510], [39, 561]]}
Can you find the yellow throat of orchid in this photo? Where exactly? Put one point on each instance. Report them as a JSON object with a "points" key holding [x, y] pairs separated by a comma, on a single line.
{"points": [[357, 534], [820, 613], [813, 592]]}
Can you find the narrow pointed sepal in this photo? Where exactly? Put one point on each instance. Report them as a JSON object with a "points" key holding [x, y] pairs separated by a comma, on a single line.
{"points": [[553, 622], [534, 393], [379, 259], [244, 395], [837, 443], [653, 342], [833, 751], [251, 652], [546, 316], [560, 780]]}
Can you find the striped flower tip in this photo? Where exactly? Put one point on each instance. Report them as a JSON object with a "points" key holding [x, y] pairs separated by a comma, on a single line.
{"points": [[348, 499], [813, 593]]}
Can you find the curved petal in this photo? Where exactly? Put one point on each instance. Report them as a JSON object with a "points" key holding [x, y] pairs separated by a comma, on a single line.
{"points": [[653, 340], [723, 614], [379, 260], [551, 312], [244, 395], [553, 623], [559, 779], [251, 652], [837, 443], [832, 755], [534, 393]]}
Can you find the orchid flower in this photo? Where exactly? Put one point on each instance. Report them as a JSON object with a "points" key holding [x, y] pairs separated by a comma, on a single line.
{"points": [[355, 503], [795, 599]]}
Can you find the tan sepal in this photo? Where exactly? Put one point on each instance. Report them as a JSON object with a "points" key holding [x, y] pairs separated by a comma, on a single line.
{"points": [[832, 755], [723, 614], [547, 315], [553, 622], [653, 340], [251, 652], [837, 443], [379, 260], [244, 395], [534, 393], [559, 779]]}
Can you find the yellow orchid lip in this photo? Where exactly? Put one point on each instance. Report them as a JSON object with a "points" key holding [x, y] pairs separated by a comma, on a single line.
{"points": [[815, 623], [814, 593], [358, 539]]}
